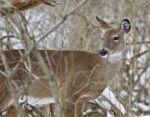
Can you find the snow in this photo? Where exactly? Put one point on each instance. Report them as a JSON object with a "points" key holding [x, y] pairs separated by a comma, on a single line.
{"points": [[109, 115], [36, 101], [143, 107], [40, 101], [144, 116], [123, 93], [112, 98], [104, 104]]}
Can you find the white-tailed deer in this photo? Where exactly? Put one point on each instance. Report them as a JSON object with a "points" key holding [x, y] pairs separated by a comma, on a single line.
{"points": [[81, 76], [9, 6]]}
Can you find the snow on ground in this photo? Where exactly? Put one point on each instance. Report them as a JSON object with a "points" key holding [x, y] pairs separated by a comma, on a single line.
{"points": [[144, 116], [112, 98], [143, 107], [109, 115]]}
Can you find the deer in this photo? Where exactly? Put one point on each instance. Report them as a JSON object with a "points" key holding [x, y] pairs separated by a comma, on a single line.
{"points": [[81, 75], [10, 6]]}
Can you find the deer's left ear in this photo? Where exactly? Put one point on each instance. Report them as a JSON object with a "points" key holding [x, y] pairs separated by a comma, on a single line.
{"points": [[104, 25], [125, 26]]}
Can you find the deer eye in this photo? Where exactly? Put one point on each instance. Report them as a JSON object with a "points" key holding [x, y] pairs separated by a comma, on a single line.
{"points": [[116, 38]]}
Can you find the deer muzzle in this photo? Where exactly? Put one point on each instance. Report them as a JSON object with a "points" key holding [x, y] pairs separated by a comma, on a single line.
{"points": [[103, 52]]}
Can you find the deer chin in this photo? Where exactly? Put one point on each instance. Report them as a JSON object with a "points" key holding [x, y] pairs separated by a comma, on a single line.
{"points": [[113, 57]]}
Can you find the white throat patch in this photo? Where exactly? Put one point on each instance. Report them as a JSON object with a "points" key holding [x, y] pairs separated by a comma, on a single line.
{"points": [[114, 57]]}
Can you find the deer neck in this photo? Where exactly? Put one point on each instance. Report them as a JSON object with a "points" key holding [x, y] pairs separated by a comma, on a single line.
{"points": [[112, 64]]}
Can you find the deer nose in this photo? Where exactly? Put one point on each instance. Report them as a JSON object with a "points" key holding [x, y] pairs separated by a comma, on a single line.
{"points": [[103, 52]]}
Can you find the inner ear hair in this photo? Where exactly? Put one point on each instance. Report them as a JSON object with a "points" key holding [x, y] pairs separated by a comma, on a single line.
{"points": [[125, 25]]}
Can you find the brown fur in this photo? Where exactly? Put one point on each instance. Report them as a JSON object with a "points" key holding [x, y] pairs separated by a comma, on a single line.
{"points": [[81, 76], [10, 6]]}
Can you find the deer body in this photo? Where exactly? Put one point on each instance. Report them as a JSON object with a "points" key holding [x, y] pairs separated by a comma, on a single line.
{"points": [[81, 76], [23, 5], [9, 6], [84, 74]]}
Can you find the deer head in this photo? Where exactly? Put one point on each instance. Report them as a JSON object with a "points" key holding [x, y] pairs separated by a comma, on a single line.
{"points": [[113, 39]]}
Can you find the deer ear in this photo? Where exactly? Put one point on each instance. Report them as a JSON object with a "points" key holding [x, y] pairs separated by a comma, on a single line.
{"points": [[125, 26], [102, 23]]}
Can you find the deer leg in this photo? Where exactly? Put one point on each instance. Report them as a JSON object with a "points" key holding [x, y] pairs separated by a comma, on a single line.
{"points": [[79, 105], [78, 109], [11, 112], [69, 109]]}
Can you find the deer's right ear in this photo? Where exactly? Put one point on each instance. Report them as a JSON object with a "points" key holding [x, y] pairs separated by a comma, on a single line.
{"points": [[102, 23], [125, 26]]}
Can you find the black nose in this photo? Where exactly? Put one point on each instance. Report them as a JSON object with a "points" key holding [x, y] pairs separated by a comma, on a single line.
{"points": [[103, 52]]}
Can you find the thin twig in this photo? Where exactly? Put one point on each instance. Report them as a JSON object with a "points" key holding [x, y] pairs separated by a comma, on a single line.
{"points": [[140, 54], [8, 36], [139, 42], [64, 18]]}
